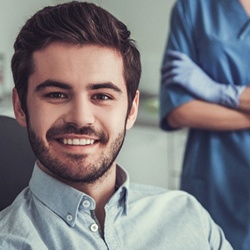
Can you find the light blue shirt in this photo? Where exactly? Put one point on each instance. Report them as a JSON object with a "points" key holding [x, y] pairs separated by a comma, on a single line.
{"points": [[51, 215], [215, 34]]}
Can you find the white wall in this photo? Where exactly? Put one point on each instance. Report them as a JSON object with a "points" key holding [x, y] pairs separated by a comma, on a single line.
{"points": [[152, 156], [13, 14], [148, 21]]}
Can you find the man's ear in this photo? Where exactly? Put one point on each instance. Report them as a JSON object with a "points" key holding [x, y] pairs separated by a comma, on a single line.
{"points": [[19, 113], [133, 111]]}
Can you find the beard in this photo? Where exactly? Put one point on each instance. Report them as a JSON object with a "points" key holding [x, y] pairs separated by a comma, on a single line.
{"points": [[76, 168]]}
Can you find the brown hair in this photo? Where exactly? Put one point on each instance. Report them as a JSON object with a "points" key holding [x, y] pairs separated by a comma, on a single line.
{"points": [[74, 23]]}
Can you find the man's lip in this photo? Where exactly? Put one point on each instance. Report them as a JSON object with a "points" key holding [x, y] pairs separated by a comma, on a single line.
{"points": [[78, 136]]}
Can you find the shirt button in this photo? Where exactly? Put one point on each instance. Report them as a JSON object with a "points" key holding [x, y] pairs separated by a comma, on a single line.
{"points": [[94, 227], [86, 203], [69, 217]]}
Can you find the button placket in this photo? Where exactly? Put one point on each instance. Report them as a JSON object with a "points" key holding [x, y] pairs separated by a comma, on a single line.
{"points": [[86, 203], [94, 227]]}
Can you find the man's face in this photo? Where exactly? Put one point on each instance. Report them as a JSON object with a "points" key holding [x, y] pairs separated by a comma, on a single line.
{"points": [[77, 110]]}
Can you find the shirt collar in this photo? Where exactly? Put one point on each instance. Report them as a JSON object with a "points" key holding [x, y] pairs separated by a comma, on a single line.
{"points": [[120, 198], [65, 200]]}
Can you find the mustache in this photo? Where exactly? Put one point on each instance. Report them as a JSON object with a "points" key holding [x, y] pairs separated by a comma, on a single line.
{"points": [[72, 129]]}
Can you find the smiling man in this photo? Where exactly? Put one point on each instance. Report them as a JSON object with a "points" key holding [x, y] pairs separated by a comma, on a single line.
{"points": [[79, 108], [76, 74]]}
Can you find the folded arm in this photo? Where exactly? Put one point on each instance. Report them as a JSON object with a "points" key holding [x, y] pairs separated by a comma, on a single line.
{"points": [[181, 70], [205, 115], [244, 100]]}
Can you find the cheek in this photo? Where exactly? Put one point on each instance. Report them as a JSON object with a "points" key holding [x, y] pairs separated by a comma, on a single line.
{"points": [[39, 124], [114, 121], [41, 120]]}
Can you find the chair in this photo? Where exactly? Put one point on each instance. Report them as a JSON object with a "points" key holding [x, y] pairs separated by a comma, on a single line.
{"points": [[16, 160]]}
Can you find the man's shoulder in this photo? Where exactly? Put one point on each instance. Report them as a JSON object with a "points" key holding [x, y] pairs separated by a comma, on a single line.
{"points": [[16, 213], [17, 230], [194, 7], [169, 207], [141, 191]]}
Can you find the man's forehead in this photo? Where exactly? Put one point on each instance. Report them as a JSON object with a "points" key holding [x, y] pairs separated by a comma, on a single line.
{"points": [[64, 62]]}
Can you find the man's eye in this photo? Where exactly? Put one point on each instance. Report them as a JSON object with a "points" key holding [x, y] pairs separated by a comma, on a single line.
{"points": [[101, 97], [55, 95]]}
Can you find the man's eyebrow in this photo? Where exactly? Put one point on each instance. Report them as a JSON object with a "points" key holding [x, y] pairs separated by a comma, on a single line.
{"points": [[52, 83], [62, 85], [106, 85]]}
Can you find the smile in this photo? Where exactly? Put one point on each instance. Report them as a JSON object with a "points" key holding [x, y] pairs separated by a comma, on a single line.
{"points": [[76, 141]]}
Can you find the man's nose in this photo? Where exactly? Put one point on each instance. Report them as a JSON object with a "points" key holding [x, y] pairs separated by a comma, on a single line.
{"points": [[80, 112]]}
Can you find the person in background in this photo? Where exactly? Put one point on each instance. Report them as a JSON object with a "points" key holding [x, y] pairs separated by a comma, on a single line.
{"points": [[76, 72], [205, 87]]}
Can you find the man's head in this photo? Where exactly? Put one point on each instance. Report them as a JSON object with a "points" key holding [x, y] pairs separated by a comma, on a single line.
{"points": [[76, 74], [76, 23]]}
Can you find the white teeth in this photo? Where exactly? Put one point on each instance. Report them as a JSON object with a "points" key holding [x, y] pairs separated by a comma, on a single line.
{"points": [[76, 141]]}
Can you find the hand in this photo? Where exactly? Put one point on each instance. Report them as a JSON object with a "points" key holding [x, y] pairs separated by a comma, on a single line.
{"points": [[181, 70]]}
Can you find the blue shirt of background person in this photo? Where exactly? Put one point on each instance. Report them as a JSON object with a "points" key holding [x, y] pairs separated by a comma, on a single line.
{"points": [[205, 88]]}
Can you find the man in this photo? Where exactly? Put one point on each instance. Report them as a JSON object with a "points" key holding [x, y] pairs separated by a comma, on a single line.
{"points": [[76, 74]]}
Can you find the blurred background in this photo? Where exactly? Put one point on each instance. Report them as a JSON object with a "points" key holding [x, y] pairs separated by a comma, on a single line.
{"points": [[150, 155]]}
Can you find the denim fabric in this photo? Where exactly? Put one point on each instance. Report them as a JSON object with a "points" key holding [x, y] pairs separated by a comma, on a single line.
{"points": [[51, 215]]}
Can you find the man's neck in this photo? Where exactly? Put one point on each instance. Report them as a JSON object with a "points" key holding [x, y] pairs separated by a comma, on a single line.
{"points": [[101, 191]]}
